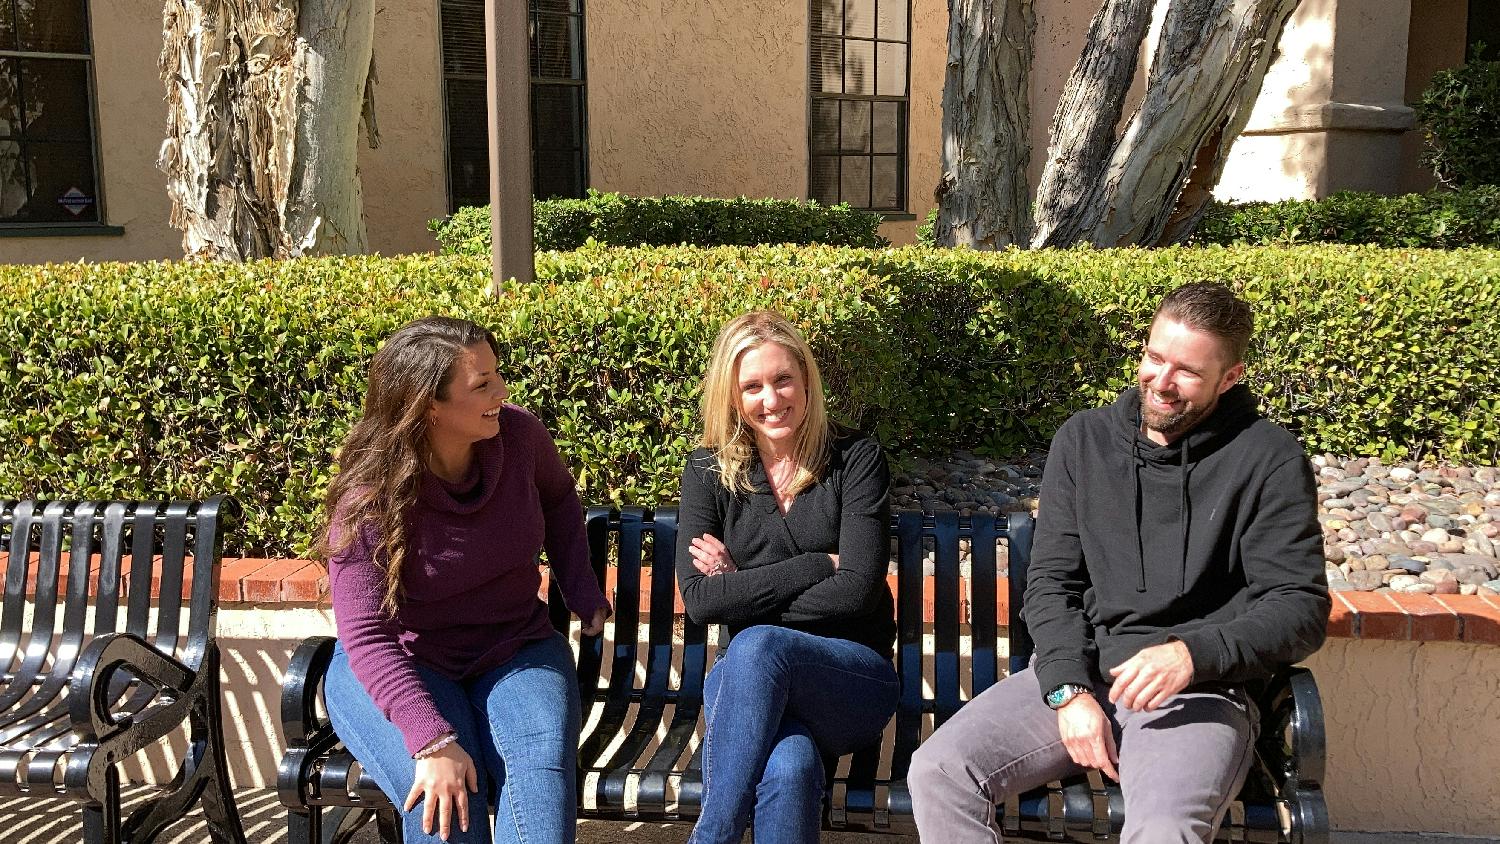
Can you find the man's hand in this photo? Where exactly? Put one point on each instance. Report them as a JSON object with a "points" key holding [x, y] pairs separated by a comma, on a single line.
{"points": [[1146, 680], [1088, 736], [595, 625], [443, 783]]}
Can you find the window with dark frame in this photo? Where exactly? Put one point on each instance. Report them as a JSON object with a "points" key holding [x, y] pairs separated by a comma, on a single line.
{"points": [[860, 60], [48, 169], [559, 138]]}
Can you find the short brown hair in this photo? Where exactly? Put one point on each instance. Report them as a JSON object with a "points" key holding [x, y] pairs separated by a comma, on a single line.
{"points": [[1212, 307]]}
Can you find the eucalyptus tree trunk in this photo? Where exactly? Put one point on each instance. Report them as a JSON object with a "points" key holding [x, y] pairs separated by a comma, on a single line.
{"points": [[1083, 127], [264, 100], [1152, 185], [983, 195]]}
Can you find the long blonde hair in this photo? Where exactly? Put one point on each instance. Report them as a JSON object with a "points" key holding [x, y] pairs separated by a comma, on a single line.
{"points": [[726, 434], [382, 459]]}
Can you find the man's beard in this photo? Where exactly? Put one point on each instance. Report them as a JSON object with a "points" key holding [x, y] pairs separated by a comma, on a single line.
{"points": [[1172, 424]]}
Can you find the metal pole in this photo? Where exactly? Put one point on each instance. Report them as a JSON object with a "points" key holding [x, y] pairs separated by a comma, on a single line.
{"points": [[507, 60]]}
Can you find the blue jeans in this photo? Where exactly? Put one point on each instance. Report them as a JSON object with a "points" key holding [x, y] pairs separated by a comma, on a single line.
{"points": [[519, 723], [776, 704]]}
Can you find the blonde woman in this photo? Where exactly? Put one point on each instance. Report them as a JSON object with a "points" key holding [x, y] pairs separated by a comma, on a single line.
{"points": [[783, 534], [449, 684]]}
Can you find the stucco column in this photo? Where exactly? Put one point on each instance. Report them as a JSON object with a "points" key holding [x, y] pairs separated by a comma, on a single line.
{"points": [[1332, 112]]}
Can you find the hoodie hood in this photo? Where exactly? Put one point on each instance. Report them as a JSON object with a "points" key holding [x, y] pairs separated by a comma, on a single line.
{"points": [[1235, 410]]}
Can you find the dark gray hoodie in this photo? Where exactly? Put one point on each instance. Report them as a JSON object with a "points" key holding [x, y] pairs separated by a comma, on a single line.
{"points": [[1213, 540]]}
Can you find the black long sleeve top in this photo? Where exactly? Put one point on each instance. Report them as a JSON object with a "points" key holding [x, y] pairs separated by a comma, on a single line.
{"points": [[785, 575]]}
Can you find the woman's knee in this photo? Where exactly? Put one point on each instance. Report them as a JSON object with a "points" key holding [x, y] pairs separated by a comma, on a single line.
{"points": [[794, 759], [764, 646]]}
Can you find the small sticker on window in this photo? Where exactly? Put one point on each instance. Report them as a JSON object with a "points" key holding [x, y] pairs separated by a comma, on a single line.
{"points": [[76, 201]]}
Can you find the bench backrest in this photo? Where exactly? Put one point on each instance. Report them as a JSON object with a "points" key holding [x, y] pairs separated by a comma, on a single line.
{"points": [[61, 558], [644, 541]]}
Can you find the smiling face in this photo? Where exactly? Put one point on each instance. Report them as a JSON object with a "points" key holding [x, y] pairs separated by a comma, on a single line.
{"points": [[1183, 372], [772, 396], [469, 408]]}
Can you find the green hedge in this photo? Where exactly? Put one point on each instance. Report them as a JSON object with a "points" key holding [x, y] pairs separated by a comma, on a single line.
{"points": [[1438, 220], [621, 220], [184, 379]]}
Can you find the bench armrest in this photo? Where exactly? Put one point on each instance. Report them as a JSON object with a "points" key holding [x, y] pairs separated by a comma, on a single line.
{"points": [[92, 690], [1309, 740], [1292, 741], [301, 687]]}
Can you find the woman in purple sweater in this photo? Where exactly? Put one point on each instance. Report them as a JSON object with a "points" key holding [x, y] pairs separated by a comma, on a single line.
{"points": [[449, 684]]}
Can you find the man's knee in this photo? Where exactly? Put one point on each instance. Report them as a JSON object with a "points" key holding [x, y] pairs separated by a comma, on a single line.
{"points": [[930, 769]]}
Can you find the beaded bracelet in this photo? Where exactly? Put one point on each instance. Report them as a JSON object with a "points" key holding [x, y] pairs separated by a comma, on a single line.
{"points": [[442, 742]]}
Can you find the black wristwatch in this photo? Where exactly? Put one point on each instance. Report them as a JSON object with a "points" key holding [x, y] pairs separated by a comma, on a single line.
{"points": [[1059, 697]]}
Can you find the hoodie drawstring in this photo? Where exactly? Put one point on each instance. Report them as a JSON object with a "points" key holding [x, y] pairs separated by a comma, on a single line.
{"points": [[1135, 503], [1182, 518]]}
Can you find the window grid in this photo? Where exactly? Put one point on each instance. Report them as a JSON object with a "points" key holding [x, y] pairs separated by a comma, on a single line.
{"points": [[850, 164], [559, 164], [40, 202]]}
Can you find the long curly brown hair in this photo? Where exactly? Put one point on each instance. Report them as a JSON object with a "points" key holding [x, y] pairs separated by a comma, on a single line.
{"points": [[382, 459]]}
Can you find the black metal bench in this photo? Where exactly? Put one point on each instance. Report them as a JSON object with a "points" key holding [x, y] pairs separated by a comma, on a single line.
{"points": [[78, 699], [651, 686]]}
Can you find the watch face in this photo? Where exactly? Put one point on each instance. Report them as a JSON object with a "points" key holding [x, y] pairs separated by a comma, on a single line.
{"points": [[1057, 697]]}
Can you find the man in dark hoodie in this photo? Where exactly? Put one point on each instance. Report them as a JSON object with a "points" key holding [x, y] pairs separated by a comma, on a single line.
{"points": [[1177, 554]]}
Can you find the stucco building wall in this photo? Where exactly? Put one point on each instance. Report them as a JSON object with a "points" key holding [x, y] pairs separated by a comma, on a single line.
{"points": [[701, 97], [1412, 732]]}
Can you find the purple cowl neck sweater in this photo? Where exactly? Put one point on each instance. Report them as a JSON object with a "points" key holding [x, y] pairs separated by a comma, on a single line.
{"points": [[470, 575]]}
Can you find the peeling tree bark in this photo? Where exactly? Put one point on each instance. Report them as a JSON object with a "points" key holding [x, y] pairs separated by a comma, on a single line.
{"points": [[1204, 80], [264, 102], [982, 197], [1083, 127]]}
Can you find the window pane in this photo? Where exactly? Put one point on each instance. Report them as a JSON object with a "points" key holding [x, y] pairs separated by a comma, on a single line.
{"points": [[856, 127], [859, 18], [886, 192], [827, 61], [825, 179], [825, 125], [554, 48], [825, 18], [559, 6], [854, 181], [7, 30], [62, 185], [463, 36], [892, 19], [55, 100], [859, 67], [557, 117], [891, 70], [558, 174], [10, 99], [468, 143], [13, 192], [887, 127], [52, 26]]}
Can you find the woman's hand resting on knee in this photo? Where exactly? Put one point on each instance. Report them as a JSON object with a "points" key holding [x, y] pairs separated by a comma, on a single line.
{"points": [[444, 780]]}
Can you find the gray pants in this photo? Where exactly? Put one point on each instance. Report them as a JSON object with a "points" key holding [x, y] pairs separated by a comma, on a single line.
{"points": [[1180, 766]]}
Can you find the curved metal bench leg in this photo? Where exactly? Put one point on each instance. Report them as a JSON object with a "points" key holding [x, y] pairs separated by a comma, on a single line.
{"points": [[389, 823], [101, 822], [1309, 816], [204, 774], [304, 826]]}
